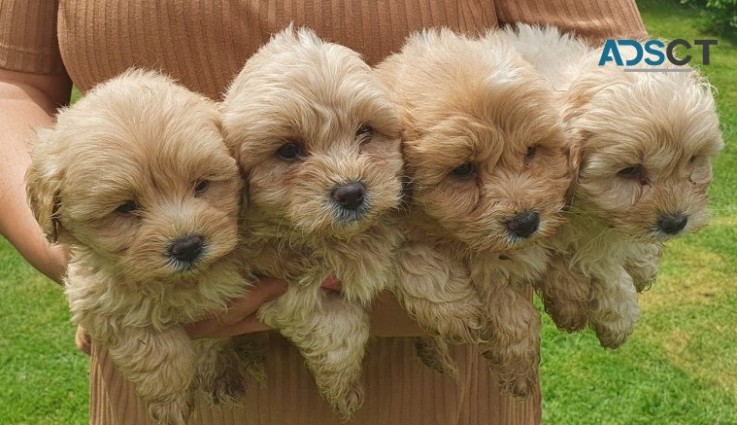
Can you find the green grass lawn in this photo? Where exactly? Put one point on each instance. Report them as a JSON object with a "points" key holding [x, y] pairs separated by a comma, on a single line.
{"points": [[44, 377], [679, 366]]}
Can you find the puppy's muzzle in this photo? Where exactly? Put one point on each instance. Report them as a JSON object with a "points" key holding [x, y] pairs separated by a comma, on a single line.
{"points": [[186, 250], [524, 224], [672, 223], [349, 196]]}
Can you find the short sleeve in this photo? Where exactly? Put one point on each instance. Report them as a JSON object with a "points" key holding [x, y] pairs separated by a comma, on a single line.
{"points": [[28, 39], [596, 20]]}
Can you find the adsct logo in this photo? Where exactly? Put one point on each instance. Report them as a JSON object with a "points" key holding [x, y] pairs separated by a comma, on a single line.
{"points": [[628, 53]]}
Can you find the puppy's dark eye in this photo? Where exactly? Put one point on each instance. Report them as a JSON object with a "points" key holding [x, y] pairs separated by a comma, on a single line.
{"points": [[289, 151], [364, 133], [630, 172], [464, 171], [201, 186], [127, 207], [531, 151], [692, 159]]}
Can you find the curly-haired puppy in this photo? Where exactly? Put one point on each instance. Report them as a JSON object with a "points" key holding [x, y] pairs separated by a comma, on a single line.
{"points": [[317, 138], [644, 143], [484, 150], [136, 179]]}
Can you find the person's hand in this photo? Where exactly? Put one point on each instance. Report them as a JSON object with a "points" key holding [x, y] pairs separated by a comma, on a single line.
{"points": [[241, 315]]}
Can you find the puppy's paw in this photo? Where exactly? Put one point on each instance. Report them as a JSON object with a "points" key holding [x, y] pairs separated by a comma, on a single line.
{"points": [[612, 336], [520, 387], [228, 387], [251, 351], [173, 412], [569, 318], [516, 368], [644, 284], [347, 404], [222, 378], [434, 354], [565, 295], [614, 325], [642, 265], [516, 380]]}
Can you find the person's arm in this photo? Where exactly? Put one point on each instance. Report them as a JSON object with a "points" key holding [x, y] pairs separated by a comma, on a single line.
{"points": [[27, 101]]}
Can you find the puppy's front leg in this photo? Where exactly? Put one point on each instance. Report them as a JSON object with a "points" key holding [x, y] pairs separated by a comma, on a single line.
{"points": [[331, 334], [161, 365], [437, 292], [219, 372], [513, 350], [642, 265], [434, 353], [565, 292], [614, 308]]}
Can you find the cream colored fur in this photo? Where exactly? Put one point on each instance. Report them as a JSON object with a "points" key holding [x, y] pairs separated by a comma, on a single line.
{"points": [[140, 138], [316, 98], [466, 101], [666, 125]]}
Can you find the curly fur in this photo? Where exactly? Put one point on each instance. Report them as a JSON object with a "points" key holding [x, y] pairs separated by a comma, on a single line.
{"points": [[140, 138], [471, 101], [300, 91], [665, 125]]}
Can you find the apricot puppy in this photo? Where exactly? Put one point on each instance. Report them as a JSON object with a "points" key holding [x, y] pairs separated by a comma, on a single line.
{"points": [[136, 180], [644, 143], [317, 138], [485, 153]]}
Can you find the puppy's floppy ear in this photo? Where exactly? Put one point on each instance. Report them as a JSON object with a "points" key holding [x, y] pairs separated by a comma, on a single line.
{"points": [[233, 148], [586, 86], [574, 151], [43, 188]]}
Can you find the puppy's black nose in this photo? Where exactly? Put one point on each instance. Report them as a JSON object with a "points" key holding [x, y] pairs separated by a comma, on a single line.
{"points": [[524, 224], [349, 196], [187, 249], [672, 224]]}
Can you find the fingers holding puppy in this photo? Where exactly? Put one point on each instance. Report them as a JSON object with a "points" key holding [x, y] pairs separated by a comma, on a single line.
{"points": [[240, 318]]}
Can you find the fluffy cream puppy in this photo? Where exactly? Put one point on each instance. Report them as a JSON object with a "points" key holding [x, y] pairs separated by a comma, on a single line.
{"points": [[485, 154], [136, 180], [644, 143], [317, 138]]}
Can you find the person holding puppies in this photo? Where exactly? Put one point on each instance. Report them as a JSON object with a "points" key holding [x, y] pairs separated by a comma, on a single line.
{"points": [[45, 46]]}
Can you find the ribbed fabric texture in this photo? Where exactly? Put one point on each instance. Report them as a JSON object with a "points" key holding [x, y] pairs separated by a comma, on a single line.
{"points": [[595, 20], [203, 43], [28, 36], [400, 391]]}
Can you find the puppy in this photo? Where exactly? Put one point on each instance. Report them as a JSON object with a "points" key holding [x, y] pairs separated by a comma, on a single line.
{"points": [[644, 143], [317, 138], [136, 180], [485, 153]]}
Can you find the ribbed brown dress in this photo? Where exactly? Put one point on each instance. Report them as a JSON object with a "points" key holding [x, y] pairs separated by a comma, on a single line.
{"points": [[203, 43]]}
